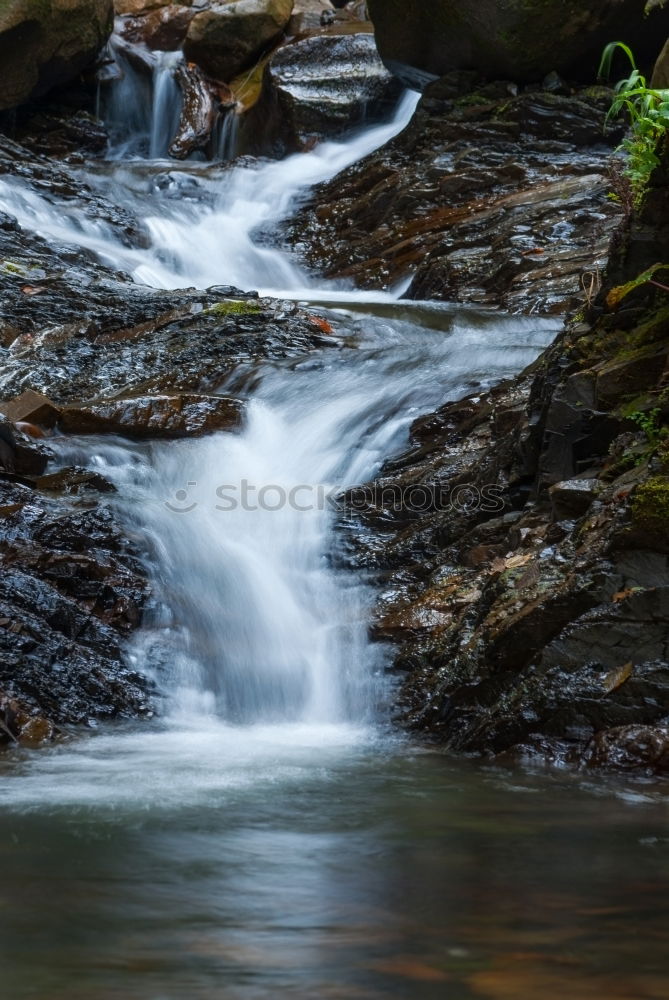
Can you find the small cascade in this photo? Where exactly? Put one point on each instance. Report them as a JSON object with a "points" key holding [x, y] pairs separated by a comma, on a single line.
{"points": [[143, 104], [166, 103], [227, 139]]}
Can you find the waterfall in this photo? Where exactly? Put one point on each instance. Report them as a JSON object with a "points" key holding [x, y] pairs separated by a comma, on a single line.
{"points": [[253, 620], [213, 241], [228, 136], [143, 106]]}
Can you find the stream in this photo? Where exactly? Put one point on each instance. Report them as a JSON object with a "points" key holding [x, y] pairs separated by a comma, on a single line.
{"points": [[270, 833]]}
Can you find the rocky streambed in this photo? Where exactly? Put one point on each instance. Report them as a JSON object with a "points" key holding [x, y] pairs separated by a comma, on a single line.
{"points": [[525, 589]]}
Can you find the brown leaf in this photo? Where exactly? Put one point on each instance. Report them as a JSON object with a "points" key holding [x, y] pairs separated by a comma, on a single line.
{"points": [[33, 289], [616, 678], [515, 561]]}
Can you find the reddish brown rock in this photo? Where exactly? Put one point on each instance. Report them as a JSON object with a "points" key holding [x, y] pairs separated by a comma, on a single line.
{"points": [[154, 416], [30, 407]]}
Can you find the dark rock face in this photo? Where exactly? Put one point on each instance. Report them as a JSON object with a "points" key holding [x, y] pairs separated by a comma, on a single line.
{"points": [[329, 83], [487, 198], [517, 39], [46, 44], [71, 590], [530, 590]]}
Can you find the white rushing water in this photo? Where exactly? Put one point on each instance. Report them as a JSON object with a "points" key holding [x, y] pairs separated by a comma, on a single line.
{"points": [[209, 241], [258, 643]]}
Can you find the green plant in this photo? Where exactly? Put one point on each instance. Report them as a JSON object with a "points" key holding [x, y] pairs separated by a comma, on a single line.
{"points": [[649, 422], [648, 112]]}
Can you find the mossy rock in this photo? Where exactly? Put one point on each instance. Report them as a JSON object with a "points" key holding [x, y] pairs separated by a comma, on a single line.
{"points": [[45, 43], [650, 511], [234, 307]]}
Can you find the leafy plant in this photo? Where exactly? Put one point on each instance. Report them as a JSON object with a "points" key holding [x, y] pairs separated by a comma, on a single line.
{"points": [[649, 422], [648, 112]]}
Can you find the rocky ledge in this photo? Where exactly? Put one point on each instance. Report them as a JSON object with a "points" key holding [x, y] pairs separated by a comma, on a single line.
{"points": [[488, 196], [523, 541]]}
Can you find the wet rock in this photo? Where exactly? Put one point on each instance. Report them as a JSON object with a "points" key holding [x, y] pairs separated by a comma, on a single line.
{"points": [[154, 416], [628, 748], [226, 38], [163, 28], [515, 39], [572, 497], [72, 584], [485, 198], [62, 133], [72, 587], [198, 115], [57, 184], [30, 406], [329, 83], [516, 633], [44, 45]]}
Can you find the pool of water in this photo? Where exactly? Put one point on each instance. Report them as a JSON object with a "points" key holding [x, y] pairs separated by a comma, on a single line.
{"points": [[252, 863]]}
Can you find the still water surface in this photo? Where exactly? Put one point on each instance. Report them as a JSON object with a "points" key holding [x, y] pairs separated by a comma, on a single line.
{"points": [[315, 863]]}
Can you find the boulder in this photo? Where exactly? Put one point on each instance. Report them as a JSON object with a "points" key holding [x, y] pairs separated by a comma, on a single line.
{"points": [[511, 39], [46, 44], [329, 83], [226, 38]]}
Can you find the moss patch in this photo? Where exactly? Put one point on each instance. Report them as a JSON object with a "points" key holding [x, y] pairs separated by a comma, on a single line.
{"points": [[650, 508], [233, 307]]}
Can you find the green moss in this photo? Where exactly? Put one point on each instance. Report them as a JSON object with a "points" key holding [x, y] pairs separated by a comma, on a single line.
{"points": [[650, 507], [11, 268], [233, 307]]}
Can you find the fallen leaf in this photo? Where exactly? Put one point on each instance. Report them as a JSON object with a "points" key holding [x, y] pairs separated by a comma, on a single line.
{"points": [[616, 678], [515, 561], [33, 289], [322, 324], [620, 595]]}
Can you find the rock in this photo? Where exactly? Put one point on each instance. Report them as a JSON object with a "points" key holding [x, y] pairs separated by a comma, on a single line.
{"points": [[484, 198], [154, 416], [306, 16], [512, 40], [198, 114], [660, 79], [7, 447], [138, 6], [45, 45], [32, 407], [71, 589], [226, 38], [572, 497], [628, 748], [329, 83], [164, 28]]}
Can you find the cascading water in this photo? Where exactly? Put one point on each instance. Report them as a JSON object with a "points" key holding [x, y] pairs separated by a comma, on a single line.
{"points": [[143, 106], [255, 624], [266, 836]]}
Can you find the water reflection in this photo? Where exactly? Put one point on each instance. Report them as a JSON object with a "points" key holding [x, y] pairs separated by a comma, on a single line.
{"points": [[382, 873]]}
